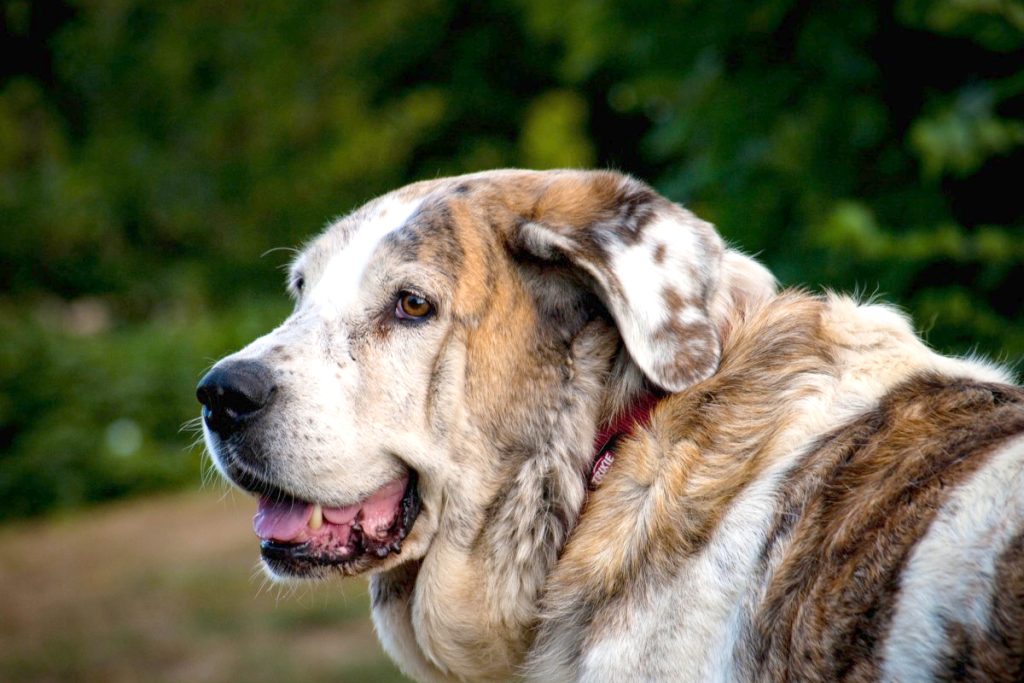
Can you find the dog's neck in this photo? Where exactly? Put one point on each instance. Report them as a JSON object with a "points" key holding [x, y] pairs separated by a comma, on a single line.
{"points": [[605, 443]]}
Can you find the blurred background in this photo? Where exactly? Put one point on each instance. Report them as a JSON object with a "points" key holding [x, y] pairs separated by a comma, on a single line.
{"points": [[154, 156]]}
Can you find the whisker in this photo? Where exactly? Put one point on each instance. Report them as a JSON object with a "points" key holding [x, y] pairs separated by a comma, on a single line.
{"points": [[193, 424], [290, 250]]}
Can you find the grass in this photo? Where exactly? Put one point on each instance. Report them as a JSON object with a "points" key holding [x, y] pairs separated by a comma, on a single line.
{"points": [[166, 589]]}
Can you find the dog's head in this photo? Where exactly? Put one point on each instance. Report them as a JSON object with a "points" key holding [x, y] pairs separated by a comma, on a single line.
{"points": [[449, 332]]}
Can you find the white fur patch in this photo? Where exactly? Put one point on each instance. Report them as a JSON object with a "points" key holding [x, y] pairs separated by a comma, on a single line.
{"points": [[339, 285], [644, 280], [687, 631]]}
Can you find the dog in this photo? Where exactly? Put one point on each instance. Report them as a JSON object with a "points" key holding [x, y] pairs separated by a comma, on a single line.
{"points": [[570, 435]]}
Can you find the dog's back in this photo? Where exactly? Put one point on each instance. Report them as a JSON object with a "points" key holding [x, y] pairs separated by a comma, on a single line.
{"points": [[836, 503]]}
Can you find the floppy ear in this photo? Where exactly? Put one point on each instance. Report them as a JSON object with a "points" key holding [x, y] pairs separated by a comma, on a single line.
{"points": [[658, 268]]}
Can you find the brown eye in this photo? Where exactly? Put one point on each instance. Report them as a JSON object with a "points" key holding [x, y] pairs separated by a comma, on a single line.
{"points": [[412, 307]]}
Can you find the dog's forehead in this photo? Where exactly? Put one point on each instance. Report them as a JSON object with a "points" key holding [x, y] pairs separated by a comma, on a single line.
{"points": [[340, 256], [360, 230], [413, 225]]}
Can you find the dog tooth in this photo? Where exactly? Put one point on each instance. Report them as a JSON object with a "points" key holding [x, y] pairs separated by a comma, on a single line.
{"points": [[317, 520]]}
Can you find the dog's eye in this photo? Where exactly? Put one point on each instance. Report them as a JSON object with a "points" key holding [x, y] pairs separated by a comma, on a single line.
{"points": [[412, 307], [298, 283]]}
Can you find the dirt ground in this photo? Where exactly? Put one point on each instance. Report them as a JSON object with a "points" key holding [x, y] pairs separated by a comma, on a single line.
{"points": [[167, 589]]}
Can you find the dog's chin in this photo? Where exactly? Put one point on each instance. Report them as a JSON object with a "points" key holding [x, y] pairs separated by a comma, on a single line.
{"points": [[304, 539]]}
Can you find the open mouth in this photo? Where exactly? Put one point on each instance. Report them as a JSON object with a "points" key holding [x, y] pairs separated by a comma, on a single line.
{"points": [[301, 538]]}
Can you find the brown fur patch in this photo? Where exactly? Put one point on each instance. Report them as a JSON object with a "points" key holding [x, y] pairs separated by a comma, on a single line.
{"points": [[672, 300], [659, 253], [597, 209]]}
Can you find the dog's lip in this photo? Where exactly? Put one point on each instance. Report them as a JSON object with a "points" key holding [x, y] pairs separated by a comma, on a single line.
{"points": [[350, 547]]}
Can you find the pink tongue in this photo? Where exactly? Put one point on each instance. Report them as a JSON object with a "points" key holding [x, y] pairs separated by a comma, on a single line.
{"points": [[287, 521], [280, 521]]}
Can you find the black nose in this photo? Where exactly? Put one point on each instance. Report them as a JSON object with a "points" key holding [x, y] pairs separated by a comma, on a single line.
{"points": [[233, 393]]}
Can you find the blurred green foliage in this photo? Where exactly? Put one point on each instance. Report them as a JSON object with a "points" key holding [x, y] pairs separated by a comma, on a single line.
{"points": [[150, 153]]}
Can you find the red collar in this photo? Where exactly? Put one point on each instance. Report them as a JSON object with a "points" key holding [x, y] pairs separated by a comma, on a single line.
{"points": [[638, 415]]}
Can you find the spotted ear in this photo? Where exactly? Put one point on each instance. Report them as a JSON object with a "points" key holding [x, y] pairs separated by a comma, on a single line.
{"points": [[658, 268]]}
